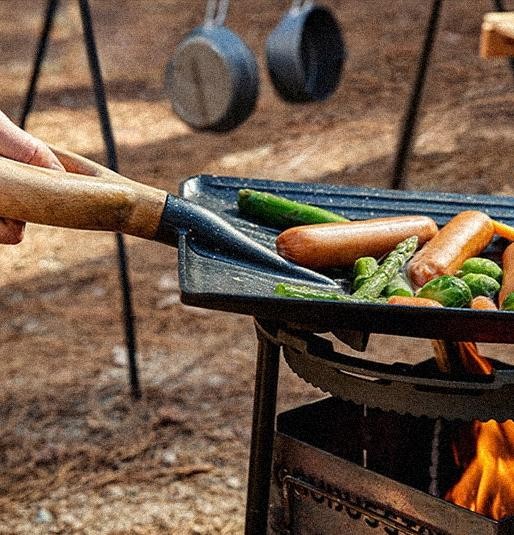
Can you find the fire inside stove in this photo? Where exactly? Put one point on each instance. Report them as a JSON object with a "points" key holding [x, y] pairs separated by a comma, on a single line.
{"points": [[487, 482], [341, 468]]}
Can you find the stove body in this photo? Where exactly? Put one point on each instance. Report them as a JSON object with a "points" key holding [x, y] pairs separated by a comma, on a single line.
{"points": [[342, 469]]}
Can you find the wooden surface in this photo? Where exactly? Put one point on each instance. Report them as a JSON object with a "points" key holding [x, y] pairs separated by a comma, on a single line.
{"points": [[88, 196], [497, 38]]}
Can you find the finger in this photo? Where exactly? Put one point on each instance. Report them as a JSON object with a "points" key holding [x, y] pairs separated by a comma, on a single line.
{"points": [[19, 145], [11, 231]]}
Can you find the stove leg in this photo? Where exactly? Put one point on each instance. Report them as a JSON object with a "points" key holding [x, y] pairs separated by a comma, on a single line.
{"points": [[263, 430]]}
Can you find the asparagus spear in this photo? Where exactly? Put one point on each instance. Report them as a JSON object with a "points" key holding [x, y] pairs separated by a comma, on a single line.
{"points": [[389, 268], [306, 292], [282, 213]]}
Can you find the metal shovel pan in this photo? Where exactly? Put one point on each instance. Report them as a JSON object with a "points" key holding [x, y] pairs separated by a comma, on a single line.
{"points": [[205, 282]]}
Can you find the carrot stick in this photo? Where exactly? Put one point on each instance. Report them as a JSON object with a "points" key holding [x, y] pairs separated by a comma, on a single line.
{"points": [[508, 273], [481, 302], [472, 361], [413, 301], [503, 230], [470, 358]]}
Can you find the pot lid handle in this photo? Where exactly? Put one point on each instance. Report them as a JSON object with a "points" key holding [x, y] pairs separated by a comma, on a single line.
{"points": [[216, 12]]}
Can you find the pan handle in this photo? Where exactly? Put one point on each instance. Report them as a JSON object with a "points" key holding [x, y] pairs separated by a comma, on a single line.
{"points": [[87, 196]]}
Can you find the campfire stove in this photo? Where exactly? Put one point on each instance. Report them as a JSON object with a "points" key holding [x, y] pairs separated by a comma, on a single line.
{"points": [[323, 484], [345, 468], [319, 484]]}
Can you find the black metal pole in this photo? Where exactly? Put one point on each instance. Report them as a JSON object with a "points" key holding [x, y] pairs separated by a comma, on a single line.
{"points": [[103, 113], [51, 9], [500, 7], [411, 115], [263, 430]]}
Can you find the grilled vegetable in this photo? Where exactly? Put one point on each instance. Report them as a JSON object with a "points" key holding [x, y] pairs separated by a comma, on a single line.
{"points": [[480, 302], [399, 286], [448, 290], [463, 237], [508, 302], [481, 284], [387, 271], [363, 268], [341, 244], [280, 212], [508, 273], [306, 292], [503, 230], [481, 265], [413, 301]]}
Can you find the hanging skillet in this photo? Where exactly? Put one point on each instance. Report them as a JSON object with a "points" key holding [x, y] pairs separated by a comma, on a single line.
{"points": [[305, 53], [91, 197], [212, 79]]}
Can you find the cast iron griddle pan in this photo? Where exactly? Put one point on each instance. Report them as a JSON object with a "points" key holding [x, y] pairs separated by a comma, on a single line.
{"points": [[233, 287]]}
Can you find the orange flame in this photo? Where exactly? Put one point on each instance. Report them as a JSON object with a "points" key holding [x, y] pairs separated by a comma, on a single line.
{"points": [[487, 483]]}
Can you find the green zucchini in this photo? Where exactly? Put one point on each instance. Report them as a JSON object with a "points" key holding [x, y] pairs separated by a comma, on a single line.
{"points": [[282, 213], [482, 266], [508, 302], [481, 284], [398, 286], [448, 290]]}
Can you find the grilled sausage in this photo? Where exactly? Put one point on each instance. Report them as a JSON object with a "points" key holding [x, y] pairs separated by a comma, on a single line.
{"points": [[508, 273], [464, 236], [329, 245]]}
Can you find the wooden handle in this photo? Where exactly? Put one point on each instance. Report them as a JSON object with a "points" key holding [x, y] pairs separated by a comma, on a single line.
{"points": [[87, 196], [497, 37]]}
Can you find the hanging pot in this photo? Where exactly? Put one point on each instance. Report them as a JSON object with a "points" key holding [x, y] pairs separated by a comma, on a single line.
{"points": [[212, 79], [305, 53]]}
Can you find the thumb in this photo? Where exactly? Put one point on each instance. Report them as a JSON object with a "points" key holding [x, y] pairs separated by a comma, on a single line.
{"points": [[19, 145]]}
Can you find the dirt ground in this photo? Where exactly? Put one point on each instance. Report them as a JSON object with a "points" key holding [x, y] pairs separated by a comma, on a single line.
{"points": [[77, 454]]}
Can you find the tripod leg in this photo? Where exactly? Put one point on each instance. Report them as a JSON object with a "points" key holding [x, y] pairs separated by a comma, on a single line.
{"points": [[411, 114], [105, 123], [51, 9]]}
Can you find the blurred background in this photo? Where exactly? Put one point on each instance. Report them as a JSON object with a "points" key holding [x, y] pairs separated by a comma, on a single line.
{"points": [[77, 454]]}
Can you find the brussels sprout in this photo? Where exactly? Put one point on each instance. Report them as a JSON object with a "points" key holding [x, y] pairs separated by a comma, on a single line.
{"points": [[448, 290], [508, 302], [481, 284], [363, 268], [398, 286], [483, 266]]}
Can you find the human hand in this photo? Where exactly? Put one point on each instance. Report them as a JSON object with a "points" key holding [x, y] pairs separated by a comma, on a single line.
{"points": [[19, 145]]}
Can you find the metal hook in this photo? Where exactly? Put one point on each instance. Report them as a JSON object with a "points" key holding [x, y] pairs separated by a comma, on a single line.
{"points": [[216, 12]]}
